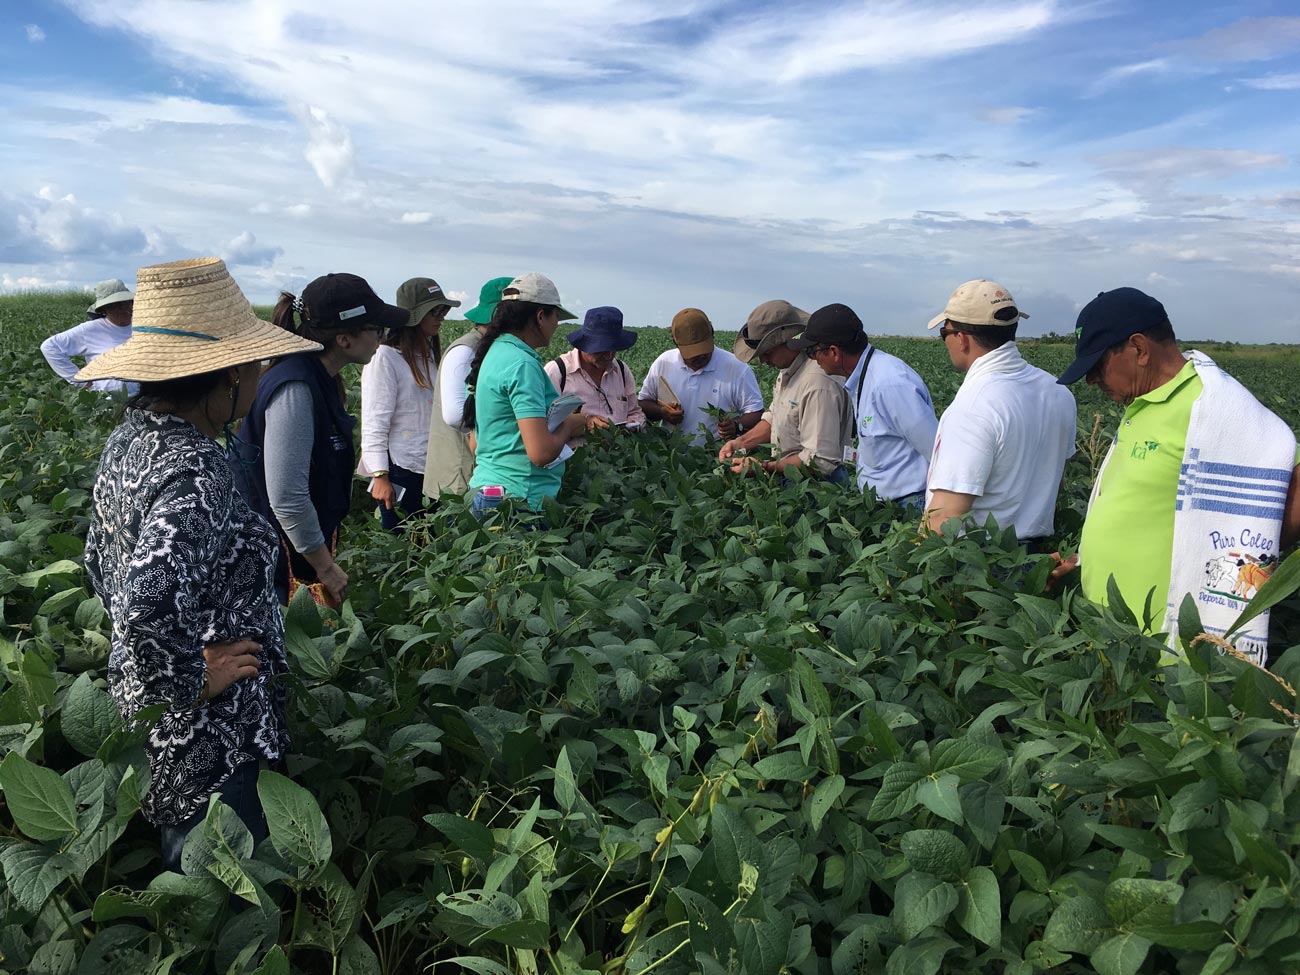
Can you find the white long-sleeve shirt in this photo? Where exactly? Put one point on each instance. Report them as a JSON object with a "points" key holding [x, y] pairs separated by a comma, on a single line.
{"points": [[86, 341], [394, 413], [455, 370]]}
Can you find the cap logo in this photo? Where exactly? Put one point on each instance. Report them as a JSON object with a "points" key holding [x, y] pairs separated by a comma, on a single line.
{"points": [[999, 294], [435, 290], [352, 313]]}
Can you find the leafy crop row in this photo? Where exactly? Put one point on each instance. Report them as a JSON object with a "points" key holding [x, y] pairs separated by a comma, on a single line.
{"points": [[703, 724]]}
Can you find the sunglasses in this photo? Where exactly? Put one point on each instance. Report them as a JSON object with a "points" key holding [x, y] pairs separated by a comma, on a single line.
{"points": [[945, 331], [812, 350]]}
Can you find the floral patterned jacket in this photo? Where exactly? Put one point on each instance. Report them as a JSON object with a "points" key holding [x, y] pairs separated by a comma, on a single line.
{"points": [[180, 561]]}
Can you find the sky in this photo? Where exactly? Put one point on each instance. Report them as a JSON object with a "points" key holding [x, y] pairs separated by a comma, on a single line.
{"points": [[658, 154]]}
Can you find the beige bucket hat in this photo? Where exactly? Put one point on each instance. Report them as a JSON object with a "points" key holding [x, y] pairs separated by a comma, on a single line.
{"points": [[190, 318], [770, 324]]}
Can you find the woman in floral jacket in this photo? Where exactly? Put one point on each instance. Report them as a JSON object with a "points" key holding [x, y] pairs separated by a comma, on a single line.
{"points": [[182, 564]]}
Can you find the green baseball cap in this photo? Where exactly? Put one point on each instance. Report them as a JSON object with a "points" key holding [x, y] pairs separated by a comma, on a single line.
{"points": [[420, 295], [489, 296]]}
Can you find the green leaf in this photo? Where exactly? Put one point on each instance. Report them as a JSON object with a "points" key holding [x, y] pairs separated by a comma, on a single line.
{"points": [[968, 759], [921, 957], [710, 931], [784, 767], [89, 716], [298, 828], [1284, 581], [33, 872], [823, 798], [467, 915], [1030, 870], [1132, 901], [332, 912], [1193, 936], [468, 835], [939, 795], [1079, 925], [762, 944], [921, 901], [897, 791], [274, 961], [979, 910], [1221, 959], [1121, 955], [935, 852], [38, 799], [566, 789]]}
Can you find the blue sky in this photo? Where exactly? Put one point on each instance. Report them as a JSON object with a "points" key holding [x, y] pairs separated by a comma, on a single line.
{"points": [[655, 154]]}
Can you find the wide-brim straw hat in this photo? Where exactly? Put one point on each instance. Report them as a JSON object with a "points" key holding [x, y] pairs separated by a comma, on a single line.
{"points": [[190, 318]]}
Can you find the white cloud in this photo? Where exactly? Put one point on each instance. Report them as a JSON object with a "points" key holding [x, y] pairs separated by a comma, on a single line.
{"points": [[1274, 82], [416, 217], [298, 210], [34, 33], [1005, 114], [1125, 72], [36, 282], [245, 249], [48, 227], [329, 148], [1248, 39]]}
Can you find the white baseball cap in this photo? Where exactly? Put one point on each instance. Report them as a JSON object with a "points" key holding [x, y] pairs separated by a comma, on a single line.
{"points": [[537, 288], [979, 302]]}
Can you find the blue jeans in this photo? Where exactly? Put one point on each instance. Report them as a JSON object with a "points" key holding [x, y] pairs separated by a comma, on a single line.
{"points": [[412, 503], [913, 502], [239, 792], [480, 505]]}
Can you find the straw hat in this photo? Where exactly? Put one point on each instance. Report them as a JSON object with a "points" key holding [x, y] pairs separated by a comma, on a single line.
{"points": [[190, 318]]}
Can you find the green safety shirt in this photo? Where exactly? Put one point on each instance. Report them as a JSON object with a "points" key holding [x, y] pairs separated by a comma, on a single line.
{"points": [[512, 385], [1129, 531]]}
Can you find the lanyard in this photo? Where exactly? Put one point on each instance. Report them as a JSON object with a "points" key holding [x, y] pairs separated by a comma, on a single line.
{"points": [[857, 407]]}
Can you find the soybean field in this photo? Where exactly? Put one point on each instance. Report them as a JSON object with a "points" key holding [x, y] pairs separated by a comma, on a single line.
{"points": [[700, 724]]}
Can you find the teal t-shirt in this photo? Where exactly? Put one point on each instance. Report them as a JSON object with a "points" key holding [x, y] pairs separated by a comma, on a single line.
{"points": [[512, 386]]}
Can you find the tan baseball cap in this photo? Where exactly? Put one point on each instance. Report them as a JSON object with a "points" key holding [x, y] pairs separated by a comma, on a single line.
{"points": [[770, 324], [692, 333], [537, 288], [979, 302]]}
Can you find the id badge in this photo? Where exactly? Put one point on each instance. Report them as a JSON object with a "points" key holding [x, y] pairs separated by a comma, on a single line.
{"points": [[850, 454]]}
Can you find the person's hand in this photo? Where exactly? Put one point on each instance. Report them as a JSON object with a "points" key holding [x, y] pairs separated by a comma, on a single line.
{"points": [[597, 423], [228, 662], [728, 427], [334, 581], [672, 413], [730, 448], [747, 466], [574, 425], [382, 490], [1063, 568]]}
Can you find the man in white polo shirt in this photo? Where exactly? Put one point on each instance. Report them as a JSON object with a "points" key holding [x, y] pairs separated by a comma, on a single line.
{"points": [[895, 416], [1003, 442], [683, 381]]}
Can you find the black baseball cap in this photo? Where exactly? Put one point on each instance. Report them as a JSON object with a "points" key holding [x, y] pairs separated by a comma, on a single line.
{"points": [[1107, 320], [347, 301], [833, 324]]}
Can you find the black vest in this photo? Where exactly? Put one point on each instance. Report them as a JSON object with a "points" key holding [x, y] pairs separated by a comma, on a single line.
{"points": [[333, 457]]}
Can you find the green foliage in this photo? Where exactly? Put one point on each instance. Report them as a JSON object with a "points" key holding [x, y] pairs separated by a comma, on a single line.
{"points": [[700, 724]]}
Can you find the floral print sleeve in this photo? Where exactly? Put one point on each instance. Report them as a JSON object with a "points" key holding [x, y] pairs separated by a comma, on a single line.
{"points": [[180, 561]]}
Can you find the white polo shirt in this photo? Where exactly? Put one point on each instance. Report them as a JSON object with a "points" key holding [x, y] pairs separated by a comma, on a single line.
{"points": [[895, 425], [1005, 439], [725, 382]]}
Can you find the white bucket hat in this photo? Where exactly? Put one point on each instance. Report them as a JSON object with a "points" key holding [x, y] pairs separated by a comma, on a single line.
{"points": [[190, 318], [109, 293]]}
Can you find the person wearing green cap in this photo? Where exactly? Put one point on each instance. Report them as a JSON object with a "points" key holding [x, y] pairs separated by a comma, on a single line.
{"points": [[108, 326], [397, 402], [449, 458]]}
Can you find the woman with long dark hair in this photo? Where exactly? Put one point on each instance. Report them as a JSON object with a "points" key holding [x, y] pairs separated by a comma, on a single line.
{"points": [[296, 447], [517, 454], [180, 561], [397, 400]]}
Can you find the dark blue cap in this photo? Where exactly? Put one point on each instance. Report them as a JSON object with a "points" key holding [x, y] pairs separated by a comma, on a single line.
{"points": [[602, 331], [1107, 320]]}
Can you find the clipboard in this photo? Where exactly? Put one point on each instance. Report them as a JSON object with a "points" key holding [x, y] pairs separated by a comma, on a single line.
{"points": [[672, 398]]}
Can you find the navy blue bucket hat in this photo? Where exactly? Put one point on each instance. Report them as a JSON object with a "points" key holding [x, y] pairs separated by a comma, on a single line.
{"points": [[1108, 320], [602, 331]]}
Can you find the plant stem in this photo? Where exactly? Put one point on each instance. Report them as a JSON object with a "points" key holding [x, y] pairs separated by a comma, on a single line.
{"points": [[594, 892]]}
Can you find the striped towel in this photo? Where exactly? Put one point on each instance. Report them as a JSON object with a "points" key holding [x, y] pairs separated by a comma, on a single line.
{"points": [[1228, 518]]}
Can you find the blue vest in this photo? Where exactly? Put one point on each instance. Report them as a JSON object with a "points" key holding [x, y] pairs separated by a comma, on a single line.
{"points": [[333, 457]]}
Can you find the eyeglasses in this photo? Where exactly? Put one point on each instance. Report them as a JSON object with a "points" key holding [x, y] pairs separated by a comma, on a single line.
{"points": [[744, 337], [812, 350]]}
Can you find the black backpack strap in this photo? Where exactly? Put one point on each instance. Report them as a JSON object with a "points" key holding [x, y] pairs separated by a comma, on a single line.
{"points": [[564, 373]]}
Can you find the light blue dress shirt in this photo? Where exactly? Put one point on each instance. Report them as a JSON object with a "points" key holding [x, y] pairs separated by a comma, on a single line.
{"points": [[895, 425]]}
